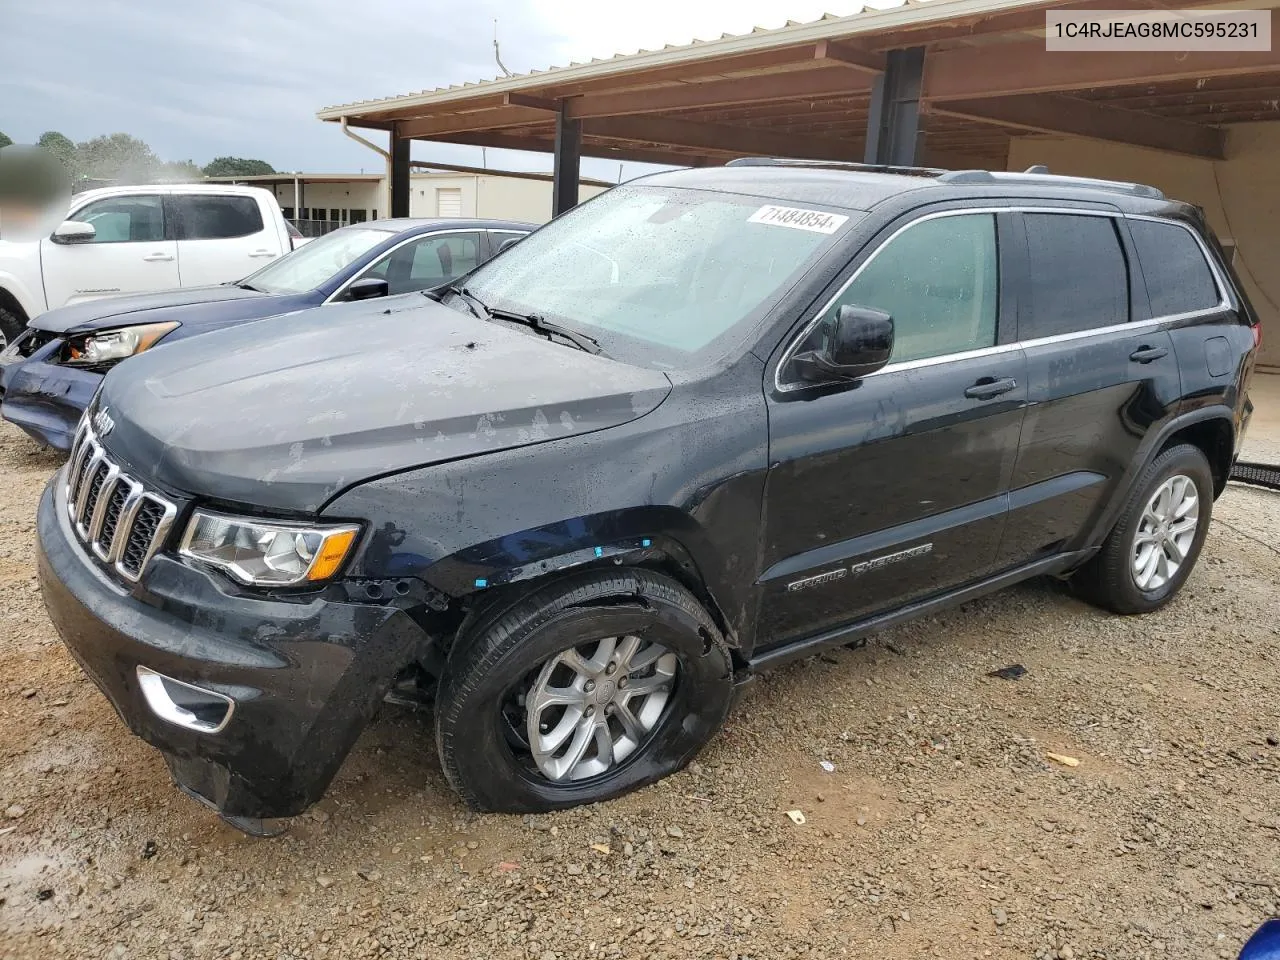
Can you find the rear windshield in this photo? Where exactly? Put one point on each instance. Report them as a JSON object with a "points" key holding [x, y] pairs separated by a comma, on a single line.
{"points": [[660, 276]]}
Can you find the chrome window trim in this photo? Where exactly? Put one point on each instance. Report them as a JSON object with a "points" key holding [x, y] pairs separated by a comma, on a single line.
{"points": [[333, 297], [1224, 302]]}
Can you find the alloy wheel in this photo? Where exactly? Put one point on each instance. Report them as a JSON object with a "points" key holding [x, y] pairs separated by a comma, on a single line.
{"points": [[590, 707], [1165, 532]]}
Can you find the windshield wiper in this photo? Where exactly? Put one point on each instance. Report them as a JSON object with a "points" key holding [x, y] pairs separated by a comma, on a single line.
{"points": [[531, 320], [474, 303], [535, 322]]}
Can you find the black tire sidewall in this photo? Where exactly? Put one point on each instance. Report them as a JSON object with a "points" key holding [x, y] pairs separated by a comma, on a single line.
{"points": [[10, 325], [473, 748], [1188, 461]]}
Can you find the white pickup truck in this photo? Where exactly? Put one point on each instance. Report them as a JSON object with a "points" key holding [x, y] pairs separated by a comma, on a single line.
{"points": [[136, 239]]}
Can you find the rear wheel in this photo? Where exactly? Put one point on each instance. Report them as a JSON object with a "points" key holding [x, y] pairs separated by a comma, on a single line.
{"points": [[1158, 538], [583, 691]]}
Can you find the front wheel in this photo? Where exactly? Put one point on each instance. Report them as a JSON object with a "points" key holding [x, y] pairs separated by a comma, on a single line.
{"points": [[1157, 540], [583, 691], [11, 324]]}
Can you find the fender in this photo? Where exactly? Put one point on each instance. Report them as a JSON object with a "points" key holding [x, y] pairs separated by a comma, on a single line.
{"points": [[656, 537], [30, 299], [1147, 452]]}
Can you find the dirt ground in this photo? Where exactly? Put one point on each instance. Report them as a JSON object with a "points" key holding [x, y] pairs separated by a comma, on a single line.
{"points": [[943, 829]]}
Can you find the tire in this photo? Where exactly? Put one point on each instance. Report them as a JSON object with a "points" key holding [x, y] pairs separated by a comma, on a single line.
{"points": [[1111, 579], [482, 728], [11, 324]]}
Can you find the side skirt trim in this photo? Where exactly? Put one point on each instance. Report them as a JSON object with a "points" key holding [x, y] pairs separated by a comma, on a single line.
{"points": [[1058, 563]]}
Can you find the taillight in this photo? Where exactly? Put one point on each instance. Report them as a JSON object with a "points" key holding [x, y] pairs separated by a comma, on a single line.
{"points": [[1257, 336]]}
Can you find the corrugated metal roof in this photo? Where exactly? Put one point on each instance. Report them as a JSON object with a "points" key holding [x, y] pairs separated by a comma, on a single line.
{"points": [[868, 20]]}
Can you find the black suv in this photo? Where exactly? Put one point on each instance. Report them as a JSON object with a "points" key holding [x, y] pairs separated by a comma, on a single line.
{"points": [[707, 422]]}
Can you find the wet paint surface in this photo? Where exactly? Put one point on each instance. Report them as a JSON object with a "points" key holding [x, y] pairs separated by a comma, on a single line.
{"points": [[477, 455]]}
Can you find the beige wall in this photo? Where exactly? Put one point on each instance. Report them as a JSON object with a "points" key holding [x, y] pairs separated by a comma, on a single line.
{"points": [[363, 195], [483, 195], [1240, 197], [490, 196]]}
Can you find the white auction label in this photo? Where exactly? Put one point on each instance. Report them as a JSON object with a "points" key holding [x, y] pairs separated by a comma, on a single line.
{"points": [[797, 218]]}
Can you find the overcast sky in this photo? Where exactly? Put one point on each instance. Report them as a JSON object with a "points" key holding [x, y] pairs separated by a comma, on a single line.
{"points": [[203, 78]]}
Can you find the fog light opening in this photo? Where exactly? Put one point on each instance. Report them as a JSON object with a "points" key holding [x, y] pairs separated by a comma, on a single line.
{"points": [[185, 705]]}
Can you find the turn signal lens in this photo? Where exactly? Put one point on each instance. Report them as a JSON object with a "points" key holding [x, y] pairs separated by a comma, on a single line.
{"points": [[333, 551]]}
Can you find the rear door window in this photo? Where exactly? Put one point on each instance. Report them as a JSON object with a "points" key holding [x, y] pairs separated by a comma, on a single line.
{"points": [[1077, 277], [216, 218], [1178, 277]]}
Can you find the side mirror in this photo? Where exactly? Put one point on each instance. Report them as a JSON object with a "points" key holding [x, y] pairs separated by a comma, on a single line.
{"points": [[509, 242], [74, 231], [857, 343], [368, 288]]}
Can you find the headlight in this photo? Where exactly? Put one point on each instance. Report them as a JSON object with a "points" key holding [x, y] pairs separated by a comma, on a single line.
{"points": [[113, 345], [268, 554]]}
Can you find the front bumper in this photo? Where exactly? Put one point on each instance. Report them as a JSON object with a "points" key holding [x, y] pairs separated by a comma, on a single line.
{"points": [[305, 676], [46, 399]]}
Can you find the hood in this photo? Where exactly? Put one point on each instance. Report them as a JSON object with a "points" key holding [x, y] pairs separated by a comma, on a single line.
{"points": [[284, 415], [113, 311]]}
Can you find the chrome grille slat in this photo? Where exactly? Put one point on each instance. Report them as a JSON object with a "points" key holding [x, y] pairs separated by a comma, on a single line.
{"points": [[99, 511], [89, 476], [121, 522]]}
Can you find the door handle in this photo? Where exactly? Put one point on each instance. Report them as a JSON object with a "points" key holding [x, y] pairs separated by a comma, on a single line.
{"points": [[989, 387], [1145, 354], [157, 257], [262, 253]]}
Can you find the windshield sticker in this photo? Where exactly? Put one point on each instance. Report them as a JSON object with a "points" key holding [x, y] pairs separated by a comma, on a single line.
{"points": [[798, 219]]}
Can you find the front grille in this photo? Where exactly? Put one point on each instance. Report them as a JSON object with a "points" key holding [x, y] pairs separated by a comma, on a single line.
{"points": [[115, 516]]}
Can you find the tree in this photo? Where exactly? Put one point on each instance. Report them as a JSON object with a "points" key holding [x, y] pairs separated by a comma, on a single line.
{"points": [[236, 167], [63, 150], [117, 157], [179, 171], [4, 141]]}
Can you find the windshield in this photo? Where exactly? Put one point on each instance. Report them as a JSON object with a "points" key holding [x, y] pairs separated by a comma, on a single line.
{"points": [[312, 264], [658, 275]]}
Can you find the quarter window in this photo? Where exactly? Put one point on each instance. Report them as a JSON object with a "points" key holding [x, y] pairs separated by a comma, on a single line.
{"points": [[938, 280], [217, 218], [124, 219], [1077, 278], [1178, 277]]}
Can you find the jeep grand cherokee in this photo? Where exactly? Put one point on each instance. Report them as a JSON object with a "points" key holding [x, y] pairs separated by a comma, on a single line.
{"points": [[707, 422]]}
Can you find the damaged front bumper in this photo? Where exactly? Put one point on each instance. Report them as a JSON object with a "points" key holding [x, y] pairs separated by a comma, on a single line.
{"points": [[43, 397], [265, 697]]}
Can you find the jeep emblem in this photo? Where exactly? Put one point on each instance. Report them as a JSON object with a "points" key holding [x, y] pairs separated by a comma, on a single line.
{"points": [[102, 422]]}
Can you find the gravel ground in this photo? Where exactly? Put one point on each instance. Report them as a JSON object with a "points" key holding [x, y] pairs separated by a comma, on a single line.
{"points": [[943, 827]]}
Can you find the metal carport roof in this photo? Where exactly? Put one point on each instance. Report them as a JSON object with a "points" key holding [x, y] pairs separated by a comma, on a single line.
{"points": [[975, 72]]}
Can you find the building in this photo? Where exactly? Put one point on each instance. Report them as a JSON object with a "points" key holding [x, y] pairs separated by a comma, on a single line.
{"points": [[319, 202], [949, 83]]}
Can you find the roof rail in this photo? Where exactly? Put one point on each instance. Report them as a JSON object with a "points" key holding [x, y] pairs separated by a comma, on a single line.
{"points": [[1040, 175], [835, 165]]}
